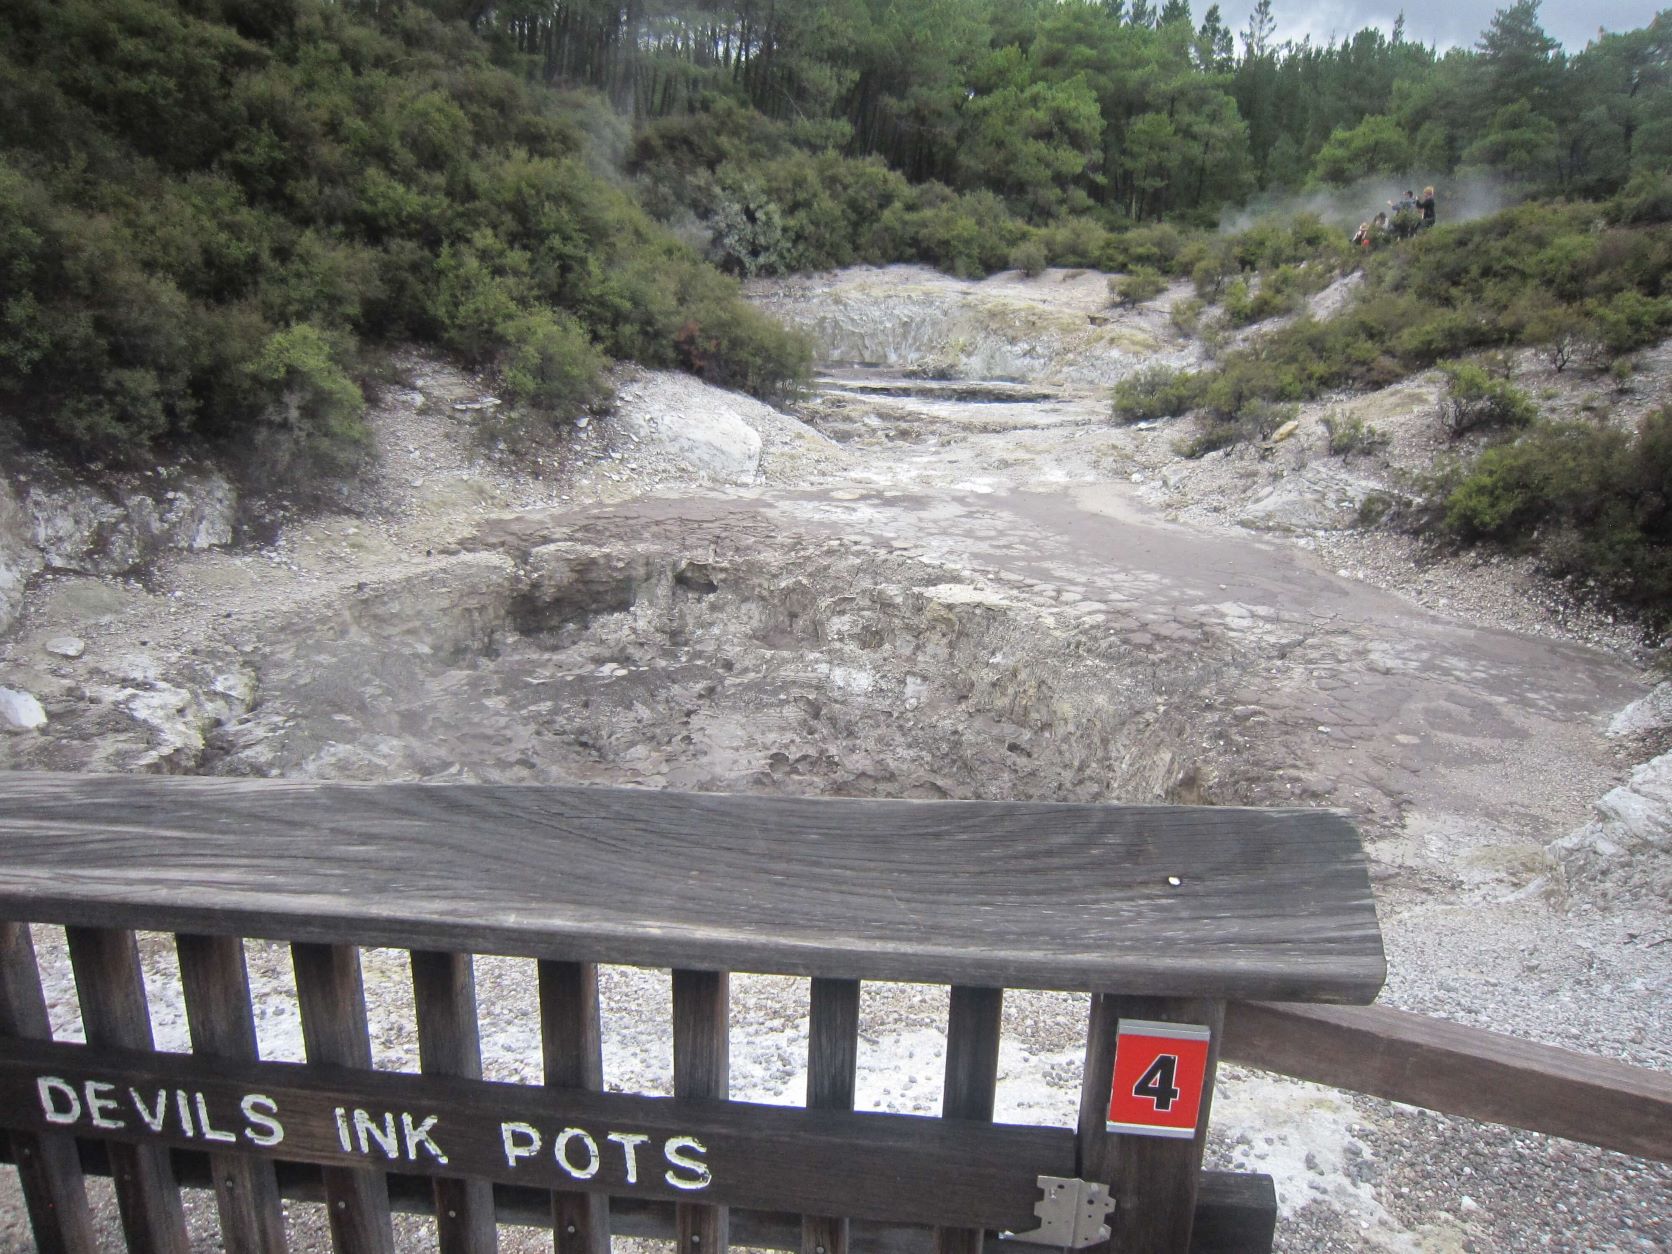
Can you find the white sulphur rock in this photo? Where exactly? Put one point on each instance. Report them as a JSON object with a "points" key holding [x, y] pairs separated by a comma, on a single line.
{"points": [[66, 646], [19, 711]]}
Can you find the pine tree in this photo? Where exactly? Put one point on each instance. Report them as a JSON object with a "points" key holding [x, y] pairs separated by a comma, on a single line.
{"points": [[1256, 40], [1213, 43]]}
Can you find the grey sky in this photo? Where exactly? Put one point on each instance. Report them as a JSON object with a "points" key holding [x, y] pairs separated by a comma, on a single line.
{"points": [[1442, 22]]}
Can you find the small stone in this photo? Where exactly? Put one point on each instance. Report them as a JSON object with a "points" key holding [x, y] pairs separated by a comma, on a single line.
{"points": [[66, 646], [1285, 431], [19, 711]]}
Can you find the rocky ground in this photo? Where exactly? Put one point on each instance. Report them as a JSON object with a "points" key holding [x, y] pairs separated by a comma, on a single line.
{"points": [[946, 573]]}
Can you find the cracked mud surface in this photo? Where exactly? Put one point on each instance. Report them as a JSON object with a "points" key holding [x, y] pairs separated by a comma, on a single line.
{"points": [[964, 589]]}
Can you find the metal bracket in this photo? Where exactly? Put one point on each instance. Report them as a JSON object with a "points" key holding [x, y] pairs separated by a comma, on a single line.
{"points": [[1071, 1214]]}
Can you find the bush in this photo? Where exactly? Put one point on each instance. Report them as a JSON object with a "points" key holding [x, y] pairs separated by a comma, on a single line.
{"points": [[1156, 392], [1475, 401], [1351, 434], [1028, 257], [1128, 290], [1558, 331], [550, 367], [1628, 321], [1186, 315], [1592, 502], [313, 422], [1257, 421], [734, 345]]}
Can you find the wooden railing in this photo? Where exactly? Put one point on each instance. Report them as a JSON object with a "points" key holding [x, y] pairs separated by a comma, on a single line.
{"points": [[1164, 914]]}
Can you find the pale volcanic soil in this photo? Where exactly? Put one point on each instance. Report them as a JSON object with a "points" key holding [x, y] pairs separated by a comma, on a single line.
{"points": [[945, 573]]}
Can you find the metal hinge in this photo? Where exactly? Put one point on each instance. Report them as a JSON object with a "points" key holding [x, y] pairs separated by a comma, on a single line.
{"points": [[1070, 1214]]}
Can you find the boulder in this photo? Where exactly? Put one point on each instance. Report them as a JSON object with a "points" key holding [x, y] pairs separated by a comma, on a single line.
{"points": [[1626, 850], [705, 427], [20, 711], [110, 529], [20, 560]]}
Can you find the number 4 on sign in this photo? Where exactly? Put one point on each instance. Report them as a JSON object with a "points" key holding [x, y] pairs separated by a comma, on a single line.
{"points": [[1159, 1072]]}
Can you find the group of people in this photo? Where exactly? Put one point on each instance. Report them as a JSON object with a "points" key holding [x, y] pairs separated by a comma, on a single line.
{"points": [[1411, 213]]}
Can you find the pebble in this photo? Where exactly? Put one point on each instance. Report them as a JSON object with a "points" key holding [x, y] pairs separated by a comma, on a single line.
{"points": [[66, 646]]}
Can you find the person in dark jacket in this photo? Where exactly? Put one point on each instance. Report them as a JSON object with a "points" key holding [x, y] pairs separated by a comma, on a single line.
{"points": [[1425, 205]]}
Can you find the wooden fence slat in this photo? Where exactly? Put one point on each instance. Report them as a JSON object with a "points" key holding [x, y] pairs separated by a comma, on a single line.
{"points": [[1233, 1210], [333, 1001], [832, 1071], [972, 1071], [701, 1069], [902, 1168], [48, 1169], [1152, 1179], [571, 1037], [111, 989], [1459, 1070], [449, 1043], [222, 1022]]}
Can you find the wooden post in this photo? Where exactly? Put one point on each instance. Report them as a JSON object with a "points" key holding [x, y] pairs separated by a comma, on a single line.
{"points": [[449, 1043], [111, 988], [48, 1169], [832, 1070], [1152, 1179], [218, 1010], [333, 1001], [572, 1042], [972, 1070], [701, 1069]]}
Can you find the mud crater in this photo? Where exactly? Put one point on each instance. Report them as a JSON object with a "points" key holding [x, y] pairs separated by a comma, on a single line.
{"points": [[821, 666]]}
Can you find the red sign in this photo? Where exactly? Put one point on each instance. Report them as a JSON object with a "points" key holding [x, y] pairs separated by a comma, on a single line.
{"points": [[1159, 1072]]}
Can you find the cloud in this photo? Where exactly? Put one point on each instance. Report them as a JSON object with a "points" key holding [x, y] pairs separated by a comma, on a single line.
{"points": [[1445, 23]]}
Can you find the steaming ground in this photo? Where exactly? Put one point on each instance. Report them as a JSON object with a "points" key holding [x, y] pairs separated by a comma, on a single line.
{"points": [[931, 583], [1457, 199]]}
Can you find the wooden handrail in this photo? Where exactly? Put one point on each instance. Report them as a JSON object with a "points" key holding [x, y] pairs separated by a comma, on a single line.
{"points": [[1458, 1070], [1174, 901]]}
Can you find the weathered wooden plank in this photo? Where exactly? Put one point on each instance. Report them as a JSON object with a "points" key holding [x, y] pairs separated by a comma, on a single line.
{"points": [[832, 1073], [333, 1003], [1209, 901], [111, 989], [1152, 1179], [449, 1043], [721, 1153], [1459, 1070], [701, 1071], [48, 1170], [1232, 1210], [572, 1043], [971, 1083], [222, 1023]]}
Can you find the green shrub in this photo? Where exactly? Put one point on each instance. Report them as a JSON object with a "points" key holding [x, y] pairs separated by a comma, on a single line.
{"points": [[734, 345], [1216, 435], [1028, 257], [549, 367], [1153, 247], [1156, 392], [1257, 421], [1592, 502], [1186, 315], [1128, 290], [313, 422], [1558, 331], [1350, 434], [1475, 401], [1628, 321]]}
